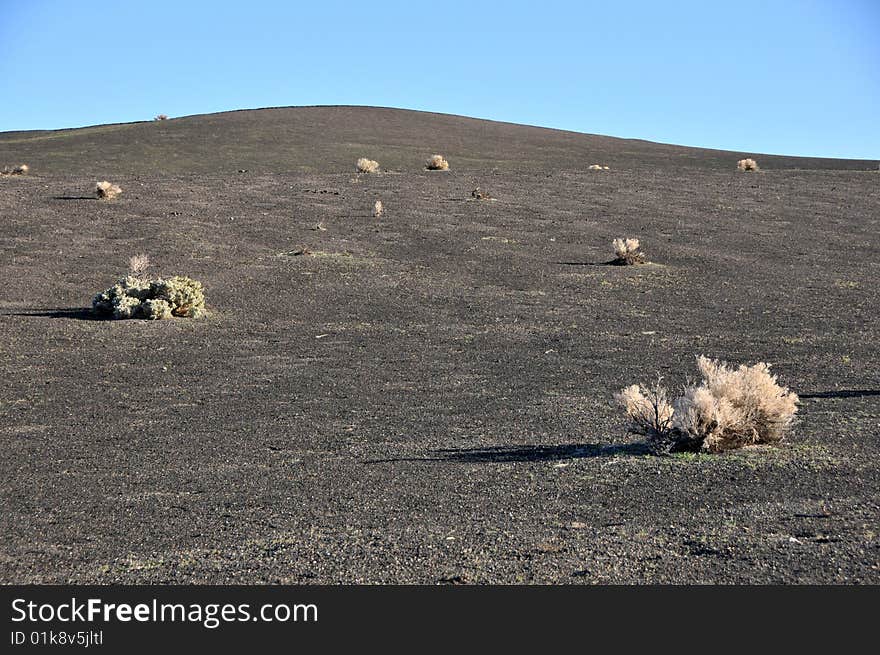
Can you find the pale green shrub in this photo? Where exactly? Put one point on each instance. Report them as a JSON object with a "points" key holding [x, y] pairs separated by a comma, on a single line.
{"points": [[134, 297]]}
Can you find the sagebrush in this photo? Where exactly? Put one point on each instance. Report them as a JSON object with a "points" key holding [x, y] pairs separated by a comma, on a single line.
{"points": [[729, 408], [437, 163], [107, 190], [365, 165], [628, 252], [136, 297], [21, 169], [748, 164]]}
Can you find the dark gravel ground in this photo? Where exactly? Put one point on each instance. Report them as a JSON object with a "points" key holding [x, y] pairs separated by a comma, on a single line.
{"points": [[426, 397]]}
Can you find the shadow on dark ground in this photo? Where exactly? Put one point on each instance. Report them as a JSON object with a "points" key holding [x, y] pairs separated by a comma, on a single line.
{"points": [[500, 454], [74, 198], [610, 262], [75, 313], [843, 393]]}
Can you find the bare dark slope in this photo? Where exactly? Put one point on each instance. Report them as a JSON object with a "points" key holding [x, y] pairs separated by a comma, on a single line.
{"points": [[426, 397], [330, 139]]}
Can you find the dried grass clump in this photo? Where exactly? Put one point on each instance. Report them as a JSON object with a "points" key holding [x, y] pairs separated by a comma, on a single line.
{"points": [[21, 169], [107, 190], [136, 297], [479, 194], [628, 252], [747, 165], [161, 117], [138, 265], [365, 165], [598, 167], [378, 209], [730, 408], [437, 163]]}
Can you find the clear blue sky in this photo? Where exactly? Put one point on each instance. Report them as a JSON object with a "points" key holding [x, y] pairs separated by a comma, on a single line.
{"points": [[798, 77]]}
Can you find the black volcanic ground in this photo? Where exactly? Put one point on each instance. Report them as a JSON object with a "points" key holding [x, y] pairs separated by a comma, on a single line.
{"points": [[426, 397]]}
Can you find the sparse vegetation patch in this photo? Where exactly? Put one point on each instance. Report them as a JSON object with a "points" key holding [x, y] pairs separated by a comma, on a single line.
{"points": [[21, 169], [107, 190], [728, 409], [365, 165], [437, 163], [137, 297], [628, 252], [747, 165]]}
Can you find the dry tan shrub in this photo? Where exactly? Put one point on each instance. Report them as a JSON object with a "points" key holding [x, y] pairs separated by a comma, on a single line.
{"points": [[628, 252], [107, 190], [437, 163], [594, 167], [729, 408], [365, 165], [747, 165], [138, 265], [648, 408], [378, 209], [21, 169], [161, 117], [479, 194]]}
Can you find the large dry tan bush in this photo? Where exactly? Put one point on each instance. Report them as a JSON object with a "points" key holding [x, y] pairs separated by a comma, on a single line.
{"points": [[747, 165], [437, 163], [107, 190], [628, 252], [729, 408], [365, 165]]}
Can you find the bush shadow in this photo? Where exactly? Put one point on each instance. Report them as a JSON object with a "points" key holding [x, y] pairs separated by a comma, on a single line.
{"points": [[534, 453], [610, 262], [842, 393], [74, 313]]}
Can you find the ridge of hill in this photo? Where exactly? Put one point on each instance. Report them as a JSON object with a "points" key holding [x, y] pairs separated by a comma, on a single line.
{"points": [[331, 138]]}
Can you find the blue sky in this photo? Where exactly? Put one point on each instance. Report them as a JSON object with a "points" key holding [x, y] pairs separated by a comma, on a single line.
{"points": [[799, 77]]}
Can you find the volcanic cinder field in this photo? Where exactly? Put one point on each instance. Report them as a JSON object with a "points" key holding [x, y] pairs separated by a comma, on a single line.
{"points": [[425, 397]]}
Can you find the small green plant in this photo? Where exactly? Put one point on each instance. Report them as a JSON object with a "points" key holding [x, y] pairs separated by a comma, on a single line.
{"points": [[134, 296]]}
